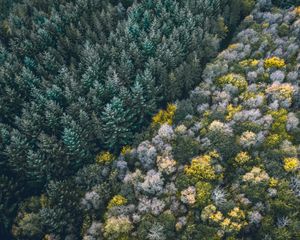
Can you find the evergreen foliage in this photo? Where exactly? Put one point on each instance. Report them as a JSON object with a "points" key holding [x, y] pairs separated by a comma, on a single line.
{"points": [[81, 80], [286, 3], [222, 164], [79, 76]]}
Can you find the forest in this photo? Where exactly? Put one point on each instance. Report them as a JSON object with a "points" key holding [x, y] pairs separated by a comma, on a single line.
{"points": [[149, 119]]}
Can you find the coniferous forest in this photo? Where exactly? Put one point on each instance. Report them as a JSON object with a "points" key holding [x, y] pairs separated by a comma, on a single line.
{"points": [[149, 119]]}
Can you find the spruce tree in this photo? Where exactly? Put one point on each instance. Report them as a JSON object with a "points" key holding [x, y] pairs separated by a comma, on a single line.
{"points": [[116, 124], [76, 142], [139, 105]]}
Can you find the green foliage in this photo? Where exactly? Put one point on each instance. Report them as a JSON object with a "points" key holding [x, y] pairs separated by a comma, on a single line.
{"points": [[116, 121], [185, 148], [117, 228], [283, 30], [10, 193], [235, 80], [286, 3], [247, 6], [201, 168], [28, 223], [235, 144], [184, 108], [203, 190], [165, 226], [81, 77]]}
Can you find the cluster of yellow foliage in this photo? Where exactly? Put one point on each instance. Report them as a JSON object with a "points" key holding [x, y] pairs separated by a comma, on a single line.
{"points": [[231, 110], [232, 46], [237, 213], [216, 217], [278, 128], [201, 168], [234, 222], [104, 158], [274, 62], [279, 120], [214, 154], [125, 150], [234, 79], [241, 158], [117, 200], [165, 116], [273, 182], [272, 140], [265, 25], [249, 63], [248, 95], [210, 212], [297, 11], [291, 164]]}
